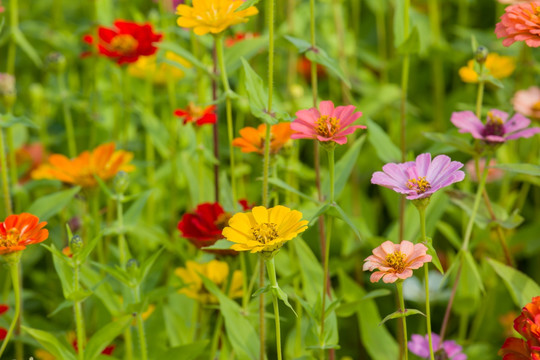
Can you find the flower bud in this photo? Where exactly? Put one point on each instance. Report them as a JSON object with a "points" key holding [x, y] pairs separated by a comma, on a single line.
{"points": [[55, 62], [76, 244], [132, 267], [8, 93], [481, 54], [121, 182]]}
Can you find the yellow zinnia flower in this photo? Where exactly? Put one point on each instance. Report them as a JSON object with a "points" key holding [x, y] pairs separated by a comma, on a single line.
{"points": [[147, 66], [216, 271], [264, 230], [212, 16], [497, 66]]}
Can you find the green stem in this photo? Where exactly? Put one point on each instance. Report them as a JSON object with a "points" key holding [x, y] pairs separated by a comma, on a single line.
{"points": [[140, 326], [399, 285], [331, 163], [14, 26], [68, 120], [422, 212], [228, 108], [122, 244], [96, 218], [273, 282], [314, 89], [14, 271], [79, 319], [216, 336], [149, 151], [479, 97], [4, 170]]}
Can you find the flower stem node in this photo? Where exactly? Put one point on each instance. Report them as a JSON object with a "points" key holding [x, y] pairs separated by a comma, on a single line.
{"points": [[422, 203], [12, 258]]}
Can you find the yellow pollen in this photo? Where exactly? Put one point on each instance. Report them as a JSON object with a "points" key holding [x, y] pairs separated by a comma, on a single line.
{"points": [[421, 185], [12, 238], [327, 126], [265, 232], [124, 44], [396, 260]]}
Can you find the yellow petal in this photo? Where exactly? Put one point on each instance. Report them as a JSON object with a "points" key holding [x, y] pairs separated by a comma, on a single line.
{"points": [[260, 213]]}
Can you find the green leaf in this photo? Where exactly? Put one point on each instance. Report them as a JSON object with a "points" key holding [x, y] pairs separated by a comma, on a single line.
{"points": [[103, 290], [322, 209], [527, 169], [47, 206], [63, 269], [521, 287], [412, 44], [246, 49], [257, 94], [240, 333], [51, 343], [191, 351], [434, 257], [22, 120], [87, 248], [101, 339], [262, 290], [386, 150], [147, 265], [469, 260], [282, 184], [350, 308], [21, 40], [116, 272], [454, 141], [247, 4], [180, 51], [400, 314], [341, 214], [377, 6], [132, 216], [320, 56], [222, 244], [301, 45], [283, 297]]}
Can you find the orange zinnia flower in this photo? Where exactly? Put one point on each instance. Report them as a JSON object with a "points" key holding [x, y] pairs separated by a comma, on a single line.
{"points": [[252, 140], [396, 261], [103, 162], [18, 231], [198, 115]]}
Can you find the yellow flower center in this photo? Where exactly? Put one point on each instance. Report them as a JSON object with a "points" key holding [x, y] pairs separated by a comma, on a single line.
{"points": [[494, 126], [396, 260], [327, 126], [421, 185], [265, 232], [11, 239], [536, 106], [124, 44]]}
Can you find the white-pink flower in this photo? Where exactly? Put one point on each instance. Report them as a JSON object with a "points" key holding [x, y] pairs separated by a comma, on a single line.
{"points": [[527, 102], [396, 261]]}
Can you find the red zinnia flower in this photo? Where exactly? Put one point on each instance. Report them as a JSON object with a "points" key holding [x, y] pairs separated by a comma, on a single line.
{"points": [[18, 231], [197, 114], [204, 226], [3, 332], [528, 325], [126, 41], [231, 40]]}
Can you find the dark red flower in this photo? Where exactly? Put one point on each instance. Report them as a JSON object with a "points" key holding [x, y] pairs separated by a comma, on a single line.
{"points": [[126, 41], [245, 205], [526, 324], [3, 332], [197, 114], [204, 226]]}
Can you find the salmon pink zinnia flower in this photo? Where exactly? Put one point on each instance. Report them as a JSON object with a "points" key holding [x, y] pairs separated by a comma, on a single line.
{"points": [[326, 124], [527, 102], [396, 261], [421, 178], [520, 22], [497, 128]]}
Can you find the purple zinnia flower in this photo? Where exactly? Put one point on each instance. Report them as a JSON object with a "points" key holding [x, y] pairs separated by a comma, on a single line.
{"points": [[497, 128], [419, 345], [421, 178]]}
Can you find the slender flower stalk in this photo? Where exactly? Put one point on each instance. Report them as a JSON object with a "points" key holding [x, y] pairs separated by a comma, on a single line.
{"points": [[75, 246], [4, 172], [399, 286], [480, 93], [14, 271], [140, 325], [271, 267], [68, 120]]}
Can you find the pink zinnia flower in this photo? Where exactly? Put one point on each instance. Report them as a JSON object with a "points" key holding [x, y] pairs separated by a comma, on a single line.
{"points": [[497, 128], [527, 102], [419, 346], [520, 22], [327, 124], [396, 261], [421, 178]]}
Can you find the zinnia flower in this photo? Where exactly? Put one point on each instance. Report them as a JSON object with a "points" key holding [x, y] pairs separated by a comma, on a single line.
{"points": [[3, 332], [29, 158], [264, 230], [252, 140], [126, 41], [213, 16], [19, 231], [421, 178], [497, 128], [527, 102], [527, 324], [494, 174], [147, 67], [328, 124], [203, 227], [396, 261], [520, 22], [240, 36], [450, 350], [498, 66], [198, 115], [103, 162], [217, 272]]}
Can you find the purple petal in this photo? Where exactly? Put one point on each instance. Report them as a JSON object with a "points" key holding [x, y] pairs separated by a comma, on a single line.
{"points": [[438, 164], [383, 179], [467, 122], [450, 172], [419, 345], [398, 171], [495, 139], [500, 114], [526, 133], [422, 164], [517, 122]]}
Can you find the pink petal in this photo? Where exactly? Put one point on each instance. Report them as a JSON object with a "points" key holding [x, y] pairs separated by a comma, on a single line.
{"points": [[467, 122], [326, 108], [422, 164], [390, 278], [376, 276], [517, 122], [406, 248]]}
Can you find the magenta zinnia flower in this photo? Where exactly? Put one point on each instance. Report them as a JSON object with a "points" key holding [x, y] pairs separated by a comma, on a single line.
{"points": [[421, 178], [396, 261], [419, 345], [497, 128], [327, 124]]}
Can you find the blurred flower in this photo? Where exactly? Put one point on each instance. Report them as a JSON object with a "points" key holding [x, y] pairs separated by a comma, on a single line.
{"points": [[507, 321], [252, 140], [245, 205], [170, 5], [147, 67], [498, 66], [28, 158], [197, 114], [126, 41], [3, 332], [527, 102], [421, 178], [303, 66], [213, 16], [512, 1], [497, 129], [72, 339], [395, 261], [264, 230], [240, 36], [450, 350], [494, 174], [217, 272], [520, 22], [527, 324], [19, 231], [328, 124], [8, 92], [103, 162]]}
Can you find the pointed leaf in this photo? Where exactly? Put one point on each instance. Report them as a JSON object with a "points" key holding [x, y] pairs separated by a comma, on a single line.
{"points": [[521, 287], [399, 314], [105, 336], [47, 206], [51, 343], [386, 150]]}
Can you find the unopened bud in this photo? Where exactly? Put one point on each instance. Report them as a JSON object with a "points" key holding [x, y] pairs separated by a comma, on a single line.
{"points": [[481, 54], [121, 182], [132, 267], [55, 62], [76, 244], [8, 93]]}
